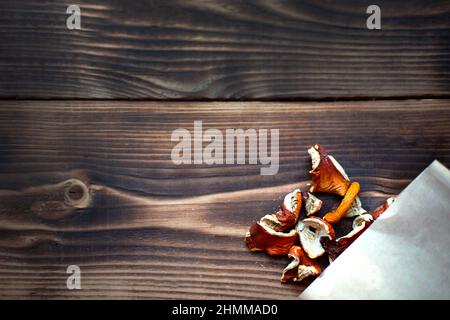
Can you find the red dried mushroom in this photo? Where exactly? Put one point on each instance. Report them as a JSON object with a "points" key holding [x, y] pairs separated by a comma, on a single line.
{"points": [[301, 267]]}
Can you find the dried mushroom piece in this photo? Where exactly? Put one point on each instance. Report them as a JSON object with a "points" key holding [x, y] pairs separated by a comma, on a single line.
{"points": [[327, 174], [381, 209], [312, 203], [310, 231], [276, 235], [335, 247], [260, 237], [355, 209], [301, 267], [287, 216], [360, 223], [346, 203]]}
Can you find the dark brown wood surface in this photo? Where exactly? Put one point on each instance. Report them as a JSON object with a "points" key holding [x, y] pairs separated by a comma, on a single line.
{"points": [[224, 50], [92, 184]]}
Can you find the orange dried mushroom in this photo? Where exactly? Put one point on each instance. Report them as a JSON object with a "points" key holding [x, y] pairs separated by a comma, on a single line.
{"points": [[344, 206], [327, 174]]}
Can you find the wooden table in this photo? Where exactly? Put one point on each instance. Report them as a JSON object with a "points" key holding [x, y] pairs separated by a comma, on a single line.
{"points": [[86, 117]]}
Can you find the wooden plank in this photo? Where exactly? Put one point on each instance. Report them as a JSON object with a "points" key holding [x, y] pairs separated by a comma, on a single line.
{"points": [[146, 228], [224, 50]]}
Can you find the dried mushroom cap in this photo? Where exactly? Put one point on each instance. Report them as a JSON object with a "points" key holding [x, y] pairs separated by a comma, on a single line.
{"points": [[389, 201], [292, 202], [312, 203], [335, 247], [260, 237], [360, 221], [359, 224], [381, 209], [310, 231], [300, 267], [356, 209], [287, 216], [327, 174], [290, 208], [271, 221]]}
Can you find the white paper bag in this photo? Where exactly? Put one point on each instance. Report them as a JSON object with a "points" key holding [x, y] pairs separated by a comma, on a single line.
{"points": [[405, 254]]}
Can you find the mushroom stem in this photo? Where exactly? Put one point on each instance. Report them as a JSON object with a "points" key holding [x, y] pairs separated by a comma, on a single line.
{"points": [[347, 201]]}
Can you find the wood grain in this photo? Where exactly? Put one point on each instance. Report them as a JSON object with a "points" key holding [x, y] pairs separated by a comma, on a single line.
{"points": [[92, 184], [224, 50]]}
